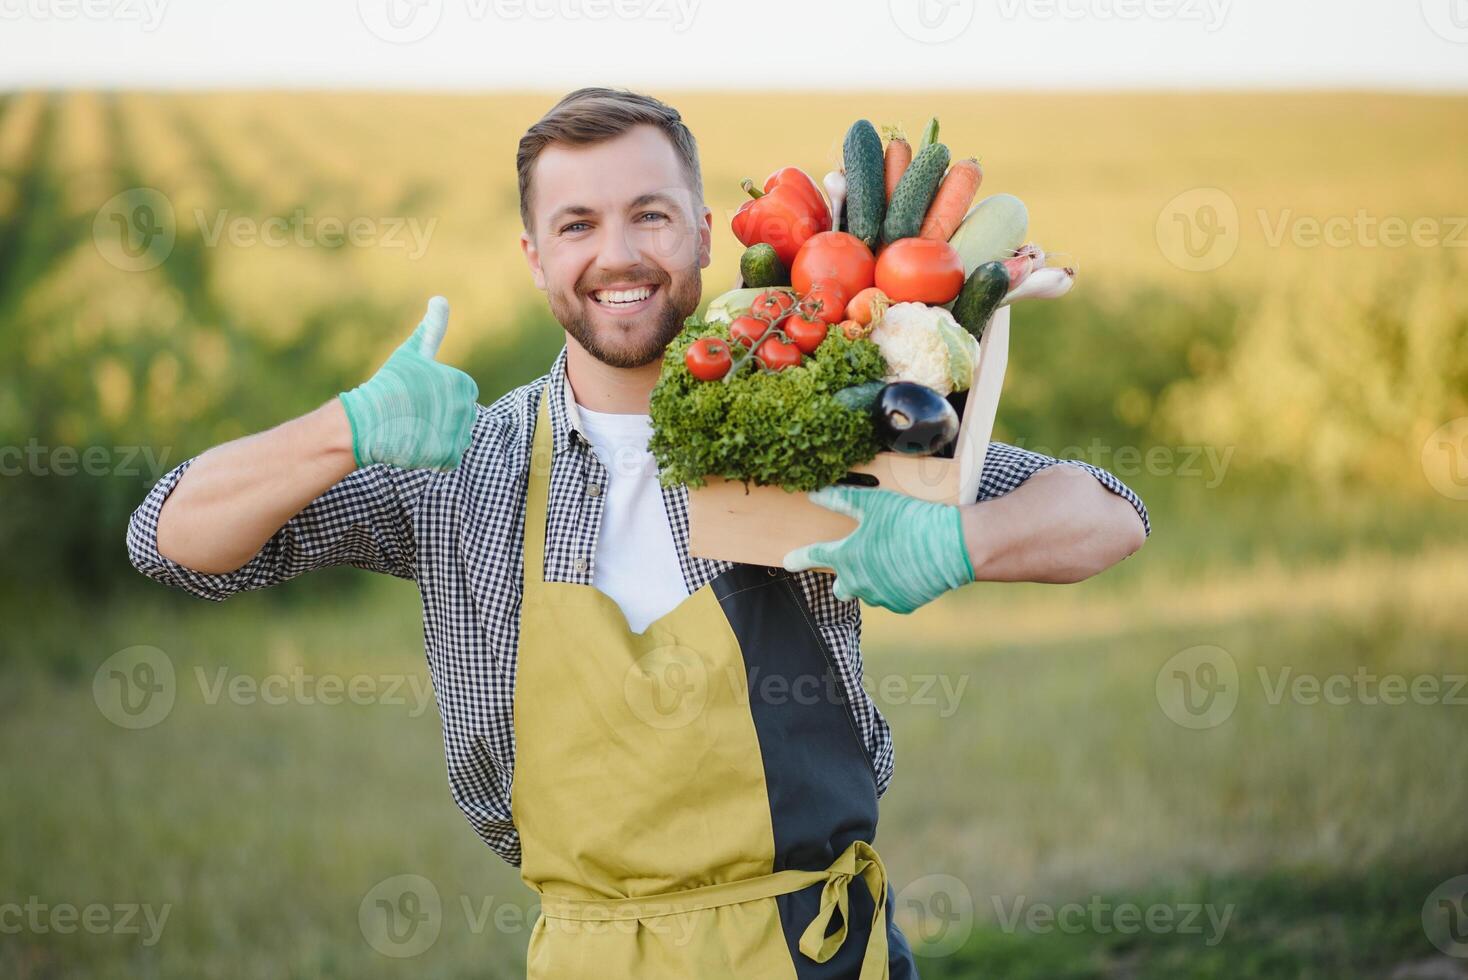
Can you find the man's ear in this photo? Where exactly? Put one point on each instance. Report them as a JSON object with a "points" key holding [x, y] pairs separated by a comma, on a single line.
{"points": [[706, 239], [532, 258]]}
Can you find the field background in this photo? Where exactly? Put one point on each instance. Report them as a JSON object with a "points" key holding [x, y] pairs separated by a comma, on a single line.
{"points": [[1301, 517]]}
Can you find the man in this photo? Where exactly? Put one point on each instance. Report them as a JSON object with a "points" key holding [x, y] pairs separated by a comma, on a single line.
{"points": [[676, 820]]}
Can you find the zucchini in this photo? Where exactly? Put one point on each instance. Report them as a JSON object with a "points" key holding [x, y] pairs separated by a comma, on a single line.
{"points": [[914, 192], [981, 295], [761, 266], [860, 398], [866, 189], [992, 230]]}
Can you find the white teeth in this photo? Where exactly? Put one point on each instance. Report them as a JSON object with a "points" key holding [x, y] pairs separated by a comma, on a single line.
{"points": [[623, 295]]}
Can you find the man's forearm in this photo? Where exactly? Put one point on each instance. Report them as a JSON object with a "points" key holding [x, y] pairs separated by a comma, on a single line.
{"points": [[235, 496], [1059, 526]]}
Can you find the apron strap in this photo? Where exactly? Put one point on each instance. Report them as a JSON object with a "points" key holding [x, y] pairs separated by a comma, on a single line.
{"points": [[860, 859], [537, 493]]}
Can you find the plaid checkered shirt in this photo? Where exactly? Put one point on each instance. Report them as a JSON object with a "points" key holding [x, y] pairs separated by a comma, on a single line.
{"points": [[459, 536]]}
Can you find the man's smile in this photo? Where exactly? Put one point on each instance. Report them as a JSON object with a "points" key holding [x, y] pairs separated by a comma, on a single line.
{"points": [[625, 299]]}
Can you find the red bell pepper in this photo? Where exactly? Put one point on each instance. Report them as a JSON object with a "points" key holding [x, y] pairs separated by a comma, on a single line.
{"points": [[784, 215]]}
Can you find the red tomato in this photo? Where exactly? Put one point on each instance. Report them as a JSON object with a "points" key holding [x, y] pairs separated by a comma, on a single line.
{"points": [[772, 304], [777, 355], [804, 334], [920, 270], [826, 301], [833, 255], [747, 330], [708, 359]]}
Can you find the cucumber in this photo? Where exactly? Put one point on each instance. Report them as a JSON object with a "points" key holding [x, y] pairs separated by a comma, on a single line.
{"points": [[914, 192], [981, 295], [860, 398], [930, 134], [866, 190], [992, 230], [761, 266]]}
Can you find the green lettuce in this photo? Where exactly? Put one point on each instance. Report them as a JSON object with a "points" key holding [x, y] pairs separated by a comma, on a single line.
{"points": [[767, 428]]}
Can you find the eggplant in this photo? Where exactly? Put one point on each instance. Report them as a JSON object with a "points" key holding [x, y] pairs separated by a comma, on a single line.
{"points": [[914, 419]]}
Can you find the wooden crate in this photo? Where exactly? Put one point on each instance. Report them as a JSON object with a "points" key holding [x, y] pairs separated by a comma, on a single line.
{"points": [[759, 525]]}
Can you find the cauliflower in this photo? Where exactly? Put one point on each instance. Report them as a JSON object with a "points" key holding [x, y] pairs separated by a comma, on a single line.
{"points": [[924, 344]]}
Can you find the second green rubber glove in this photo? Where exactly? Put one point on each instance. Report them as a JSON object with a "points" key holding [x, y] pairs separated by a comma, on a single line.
{"points": [[903, 554]]}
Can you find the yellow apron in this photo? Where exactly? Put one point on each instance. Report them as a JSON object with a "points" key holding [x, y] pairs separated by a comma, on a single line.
{"points": [[694, 801]]}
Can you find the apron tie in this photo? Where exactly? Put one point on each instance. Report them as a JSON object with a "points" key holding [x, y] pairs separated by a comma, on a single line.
{"points": [[858, 859]]}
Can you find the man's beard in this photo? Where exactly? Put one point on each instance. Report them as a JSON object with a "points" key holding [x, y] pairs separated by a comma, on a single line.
{"points": [[677, 301]]}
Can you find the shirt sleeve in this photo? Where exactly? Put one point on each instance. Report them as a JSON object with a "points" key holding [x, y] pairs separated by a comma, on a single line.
{"points": [[365, 520], [1006, 467]]}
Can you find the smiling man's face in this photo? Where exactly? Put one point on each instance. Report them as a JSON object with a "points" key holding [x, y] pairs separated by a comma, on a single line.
{"points": [[618, 242]]}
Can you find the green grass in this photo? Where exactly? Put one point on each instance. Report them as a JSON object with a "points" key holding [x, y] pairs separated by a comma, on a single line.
{"points": [[1048, 774]]}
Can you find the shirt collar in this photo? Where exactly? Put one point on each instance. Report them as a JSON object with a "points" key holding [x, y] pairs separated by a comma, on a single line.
{"points": [[565, 419]]}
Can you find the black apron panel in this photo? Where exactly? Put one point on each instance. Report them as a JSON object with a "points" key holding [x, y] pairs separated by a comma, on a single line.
{"points": [[822, 790]]}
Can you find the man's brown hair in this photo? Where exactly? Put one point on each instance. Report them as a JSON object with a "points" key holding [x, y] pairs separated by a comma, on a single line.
{"points": [[591, 115]]}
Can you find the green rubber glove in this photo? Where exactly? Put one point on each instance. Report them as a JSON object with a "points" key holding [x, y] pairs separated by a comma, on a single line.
{"points": [[414, 413], [903, 554]]}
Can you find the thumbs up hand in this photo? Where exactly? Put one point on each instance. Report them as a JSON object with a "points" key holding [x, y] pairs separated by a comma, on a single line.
{"points": [[414, 413]]}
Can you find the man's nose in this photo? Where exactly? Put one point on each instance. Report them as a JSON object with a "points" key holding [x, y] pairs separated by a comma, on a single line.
{"points": [[618, 248]]}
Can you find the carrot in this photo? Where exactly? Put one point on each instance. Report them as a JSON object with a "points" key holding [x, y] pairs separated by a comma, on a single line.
{"points": [[899, 155], [952, 201]]}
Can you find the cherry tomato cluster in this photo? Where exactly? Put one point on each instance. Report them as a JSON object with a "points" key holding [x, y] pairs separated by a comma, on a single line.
{"points": [[779, 330]]}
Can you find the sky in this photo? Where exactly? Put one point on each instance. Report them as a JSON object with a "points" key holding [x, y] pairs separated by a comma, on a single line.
{"points": [[735, 44]]}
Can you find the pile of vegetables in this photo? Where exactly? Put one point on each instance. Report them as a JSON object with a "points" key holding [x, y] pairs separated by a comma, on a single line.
{"points": [[856, 322]]}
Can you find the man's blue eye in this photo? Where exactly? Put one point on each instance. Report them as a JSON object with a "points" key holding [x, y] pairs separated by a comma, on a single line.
{"points": [[573, 225], [654, 214]]}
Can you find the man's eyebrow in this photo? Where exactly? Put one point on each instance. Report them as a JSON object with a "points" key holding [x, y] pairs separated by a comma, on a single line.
{"points": [[567, 210], [654, 197], [582, 210]]}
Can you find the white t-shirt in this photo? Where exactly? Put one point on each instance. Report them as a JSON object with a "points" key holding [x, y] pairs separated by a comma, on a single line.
{"points": [[636, 561]]}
